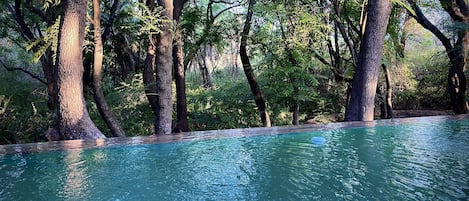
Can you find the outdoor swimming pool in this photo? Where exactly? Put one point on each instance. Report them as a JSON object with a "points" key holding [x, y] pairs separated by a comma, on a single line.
{"points": [[407, 159]]}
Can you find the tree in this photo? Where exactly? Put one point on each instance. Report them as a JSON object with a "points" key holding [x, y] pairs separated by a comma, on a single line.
{"points": [[159, 62], [103, 107], [210, 28], [361, 106], [74, 121], [26, 19], [255, 89], [179, 72], [457, 51]]}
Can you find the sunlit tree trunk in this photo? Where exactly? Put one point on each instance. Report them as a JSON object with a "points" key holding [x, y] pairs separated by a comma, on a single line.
{"points": [[249, 72], [361, 106], [164, 64], [179, 72], [73, 118], [103, 107]]}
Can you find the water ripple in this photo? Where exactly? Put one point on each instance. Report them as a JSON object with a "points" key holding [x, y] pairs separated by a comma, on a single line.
{"points": [[421, 161]]}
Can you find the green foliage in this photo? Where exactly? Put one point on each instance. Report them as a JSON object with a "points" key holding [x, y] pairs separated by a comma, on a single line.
{"points": [[288, 73], [130, 106], [48, 42], [209, 23], [229, 104], [24, 116], [430, 91], [284, 38], [50, 3], [150, 21]]}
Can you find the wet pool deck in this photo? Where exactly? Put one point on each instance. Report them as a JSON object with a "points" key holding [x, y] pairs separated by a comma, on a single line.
{"points": [[212, 134]]}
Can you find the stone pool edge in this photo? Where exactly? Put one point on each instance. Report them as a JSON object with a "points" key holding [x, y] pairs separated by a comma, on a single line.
{"points": [[211, 134]]}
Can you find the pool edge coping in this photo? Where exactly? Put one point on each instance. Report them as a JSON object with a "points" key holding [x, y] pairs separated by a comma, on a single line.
{"points": [[210, 134]]}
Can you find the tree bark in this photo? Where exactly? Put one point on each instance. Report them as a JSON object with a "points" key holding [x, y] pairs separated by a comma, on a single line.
{"points": [[179, 73], [249, 72], [164, 62], [73, 119], [361, 106], [148, 75], [103, 107]]}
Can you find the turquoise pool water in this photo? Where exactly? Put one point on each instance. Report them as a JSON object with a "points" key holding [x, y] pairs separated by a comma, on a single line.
{"points": [[421, 160]]}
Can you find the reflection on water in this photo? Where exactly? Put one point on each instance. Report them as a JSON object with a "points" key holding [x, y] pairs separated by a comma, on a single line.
{"points": [[420, 161]]}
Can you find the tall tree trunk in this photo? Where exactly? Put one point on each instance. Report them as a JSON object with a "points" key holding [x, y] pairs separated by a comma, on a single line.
{"points": [[164, 62], [73, 118], [457, 84], [388, 100], [103, 107], [148, 75], [361, 106], [179, 73], [457, 81], [249, 72]]}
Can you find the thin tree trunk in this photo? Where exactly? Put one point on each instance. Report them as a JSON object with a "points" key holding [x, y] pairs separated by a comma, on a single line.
{"points": [[388, 100], [73, 118], [207, 83], [361, 106], [103, 107], [179, 73], [164, 64], [249, 72], [381, 102], [296, 114]]}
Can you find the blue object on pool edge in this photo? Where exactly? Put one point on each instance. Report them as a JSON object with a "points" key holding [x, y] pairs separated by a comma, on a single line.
{"points": [[318, 140]]}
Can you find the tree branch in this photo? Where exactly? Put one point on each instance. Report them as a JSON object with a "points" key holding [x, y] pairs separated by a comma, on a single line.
{"points": [[423, 20], [110, 22], [24, 71]]}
